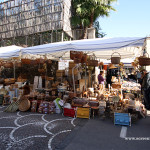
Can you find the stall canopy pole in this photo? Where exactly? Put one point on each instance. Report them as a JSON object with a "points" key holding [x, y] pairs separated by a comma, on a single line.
{"points": [[75, 67], [14, 64], [85, 77], [73, 78]]}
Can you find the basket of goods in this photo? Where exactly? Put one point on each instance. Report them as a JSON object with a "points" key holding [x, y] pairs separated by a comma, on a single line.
{"points": [[9, 81], [33, 62], [84, 58], [79, 102], [18, 64], [8, 65], [41, 60], [41, 70], [92, 61], [144, 60], [76, 54], [72, 54], [115, 59], [93, 103], [77, 60], [26, 61], [49, 61]]}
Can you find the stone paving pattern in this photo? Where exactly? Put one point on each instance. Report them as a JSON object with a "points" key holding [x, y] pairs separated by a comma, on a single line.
{"points": [[28, 130]]}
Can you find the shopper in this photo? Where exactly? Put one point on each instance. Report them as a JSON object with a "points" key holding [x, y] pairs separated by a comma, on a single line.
{"points": [[100, 78]]}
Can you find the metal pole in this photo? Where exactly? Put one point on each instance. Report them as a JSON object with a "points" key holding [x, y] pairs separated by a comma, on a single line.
{"points": [[14, 69], [85, 76], [73, 78]]}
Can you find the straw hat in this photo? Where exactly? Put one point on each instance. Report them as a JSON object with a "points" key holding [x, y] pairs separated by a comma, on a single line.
{"points": [[111, 66]]}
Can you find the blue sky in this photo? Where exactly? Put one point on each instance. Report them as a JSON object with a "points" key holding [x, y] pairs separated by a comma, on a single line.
{"points": [[131, 19]]}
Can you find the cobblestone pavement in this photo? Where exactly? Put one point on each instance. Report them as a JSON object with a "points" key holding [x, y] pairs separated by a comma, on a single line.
{"points": [[34, 131]]}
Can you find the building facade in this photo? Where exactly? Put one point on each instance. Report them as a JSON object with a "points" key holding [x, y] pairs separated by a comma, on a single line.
{"points": [[34, 22]]}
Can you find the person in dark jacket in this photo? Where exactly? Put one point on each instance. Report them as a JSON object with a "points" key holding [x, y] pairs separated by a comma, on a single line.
{"points": [[108, 78], [145, 89]]}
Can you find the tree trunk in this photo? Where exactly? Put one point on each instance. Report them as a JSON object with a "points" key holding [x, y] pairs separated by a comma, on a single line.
{"points": [[84, 35], [91, 19]]}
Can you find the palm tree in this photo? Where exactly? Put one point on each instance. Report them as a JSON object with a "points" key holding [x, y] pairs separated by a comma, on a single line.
{"points": [[86, 12]]}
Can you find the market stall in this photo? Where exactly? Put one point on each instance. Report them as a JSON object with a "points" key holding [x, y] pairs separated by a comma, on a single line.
{"points": [[73, 90]]}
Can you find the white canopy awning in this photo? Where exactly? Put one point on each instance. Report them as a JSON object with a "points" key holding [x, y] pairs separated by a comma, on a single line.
{"points": [[102, 48], [10, 51]]}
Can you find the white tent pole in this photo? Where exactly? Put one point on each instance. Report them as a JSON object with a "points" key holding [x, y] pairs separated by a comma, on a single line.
{"points": [[14, 64], [46, 73], [73, 78], [85, 77], [20, 54]]}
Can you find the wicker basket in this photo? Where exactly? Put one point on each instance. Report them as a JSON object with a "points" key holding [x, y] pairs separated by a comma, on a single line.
{"points": [[9, 81], [25, 61], [18, 64], [115, 60], [72, 54], [24, 105], [92, 61], [49, 61], [84, 58], [8, 65], [144, 61], [40, 60], [77, 60], [41, 70], [76, 54]]}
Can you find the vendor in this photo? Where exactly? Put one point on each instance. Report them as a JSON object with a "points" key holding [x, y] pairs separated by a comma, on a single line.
{"points": [[145, 88], [108, 78]]}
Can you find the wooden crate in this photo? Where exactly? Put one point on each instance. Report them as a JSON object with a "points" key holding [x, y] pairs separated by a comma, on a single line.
{"points": [[83, 112]]}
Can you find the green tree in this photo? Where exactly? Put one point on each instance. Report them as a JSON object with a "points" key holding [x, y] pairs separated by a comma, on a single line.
{"points": [[98, 33], [86, 12]]}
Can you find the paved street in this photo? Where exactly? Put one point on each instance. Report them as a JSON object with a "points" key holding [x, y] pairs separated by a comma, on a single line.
{"points": [[27, 130], [103, 135], [34, 131]]}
